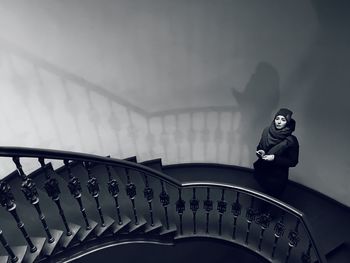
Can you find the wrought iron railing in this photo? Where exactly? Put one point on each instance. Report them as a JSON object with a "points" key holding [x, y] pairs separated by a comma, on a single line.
{"points": [[107, 211]]}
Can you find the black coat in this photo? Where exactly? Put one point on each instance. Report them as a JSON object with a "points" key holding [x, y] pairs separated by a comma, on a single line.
{"points": [[273, 175]]}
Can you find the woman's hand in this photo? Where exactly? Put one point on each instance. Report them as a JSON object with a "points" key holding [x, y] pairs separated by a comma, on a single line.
{"points": [[260, 153], [269, 157]]}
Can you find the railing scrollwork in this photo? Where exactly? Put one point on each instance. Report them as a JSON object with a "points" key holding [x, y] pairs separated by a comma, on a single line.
{"points": [[173, 198]]}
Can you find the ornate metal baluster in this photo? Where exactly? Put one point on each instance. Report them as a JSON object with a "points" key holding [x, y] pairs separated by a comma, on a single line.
{"points": [[131, 192], [236, 211], [53, 191], [293, 240], [7, 200], [208, 206], [165, 201], [250, 216], [113, 189], [29, 190], [148, 194], [279, 232], [263, 221], [306, 256], [75, 189], [180, 208], [3, 241], [194, 205], [222, 205], [94, 190]]}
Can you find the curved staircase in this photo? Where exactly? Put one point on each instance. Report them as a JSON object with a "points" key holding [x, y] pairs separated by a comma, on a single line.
{"points": [[92, 203]]}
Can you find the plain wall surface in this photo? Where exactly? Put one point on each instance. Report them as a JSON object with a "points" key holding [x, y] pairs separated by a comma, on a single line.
{"points": [[188, 80]]}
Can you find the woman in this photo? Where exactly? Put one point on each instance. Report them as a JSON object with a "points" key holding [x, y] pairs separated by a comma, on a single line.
{"points": [[278, 150]]}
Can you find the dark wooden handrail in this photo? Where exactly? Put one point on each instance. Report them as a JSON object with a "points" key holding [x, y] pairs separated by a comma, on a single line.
{"points": [[295, 212], [75, 156]]}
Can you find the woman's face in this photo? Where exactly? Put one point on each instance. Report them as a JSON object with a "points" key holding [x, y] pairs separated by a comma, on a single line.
{"points": [[280, 122]]}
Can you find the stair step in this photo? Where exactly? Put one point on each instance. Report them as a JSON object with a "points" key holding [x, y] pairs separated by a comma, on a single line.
{"points": [[157, 226], [88, 201], [116, 227], [99, 230], [131, 159], [84, 233], [65, 239], [166, 231], [31, 256], [107, 201], [49, 207], [24, 208], [49, 247], [10, 229], [68, 204], [139, 201], [137, 227], [155, 164], [19, 251], [171, 208]]}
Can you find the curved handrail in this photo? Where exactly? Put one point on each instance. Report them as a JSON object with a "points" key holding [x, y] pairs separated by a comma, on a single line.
{"points": [[62, 155], [75, 156], [250, 192], [298, 214]]}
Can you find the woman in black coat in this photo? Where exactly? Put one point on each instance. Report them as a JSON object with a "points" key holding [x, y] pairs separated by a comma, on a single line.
{"points": [[278, 150]]}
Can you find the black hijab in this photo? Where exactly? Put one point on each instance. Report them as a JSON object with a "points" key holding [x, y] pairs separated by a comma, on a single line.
{"points": [[275, 141]]}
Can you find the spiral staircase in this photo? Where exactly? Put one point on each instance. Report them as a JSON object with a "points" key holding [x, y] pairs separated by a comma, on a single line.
{"points": [[92, 203], [73, 206]]}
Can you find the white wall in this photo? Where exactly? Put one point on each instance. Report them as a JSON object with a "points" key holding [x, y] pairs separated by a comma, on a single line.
{"points": [[188, 81]]}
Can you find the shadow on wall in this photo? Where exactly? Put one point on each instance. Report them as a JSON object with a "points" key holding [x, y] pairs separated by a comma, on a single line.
{"points": [[59, 110], [257, 103], [56, 109]]}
